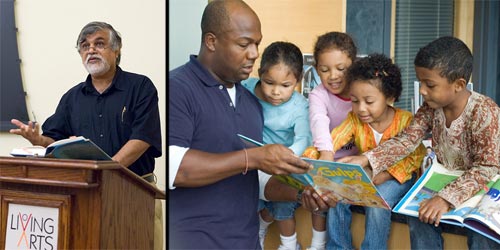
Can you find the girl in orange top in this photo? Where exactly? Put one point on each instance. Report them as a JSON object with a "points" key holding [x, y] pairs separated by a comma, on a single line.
{"points": [[375, 84]]}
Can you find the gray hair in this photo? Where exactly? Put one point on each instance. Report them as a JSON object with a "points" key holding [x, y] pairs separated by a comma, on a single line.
{"points": [[115, 39]]}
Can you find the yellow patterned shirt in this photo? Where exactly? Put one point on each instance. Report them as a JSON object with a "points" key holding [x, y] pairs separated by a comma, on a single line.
{"points": [[354, 129]]}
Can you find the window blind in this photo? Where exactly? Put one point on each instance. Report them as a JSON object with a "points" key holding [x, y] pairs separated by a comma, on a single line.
{"points": [[418, 22]]}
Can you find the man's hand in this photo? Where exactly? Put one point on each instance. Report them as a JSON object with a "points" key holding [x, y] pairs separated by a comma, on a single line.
{"points": [[355, 159], [30, 131], [277, 159], [431, 210], [314, 202]]}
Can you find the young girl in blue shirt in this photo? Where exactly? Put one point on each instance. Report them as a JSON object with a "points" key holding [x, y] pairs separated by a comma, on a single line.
{"points": [[285, 122]]}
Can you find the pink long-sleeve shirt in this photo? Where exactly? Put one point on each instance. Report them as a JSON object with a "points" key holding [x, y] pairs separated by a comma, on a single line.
{"points": [[327, 111]]}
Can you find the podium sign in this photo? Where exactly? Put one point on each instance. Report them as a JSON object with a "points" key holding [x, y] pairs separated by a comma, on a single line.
{"points": [[31, 227], [35, 221], [74, 204]]}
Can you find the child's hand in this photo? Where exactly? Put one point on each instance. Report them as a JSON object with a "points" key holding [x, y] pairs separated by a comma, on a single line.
{"points": [[431, 210], [314, 202], [326, 155], [382, 177], [356, 159]]}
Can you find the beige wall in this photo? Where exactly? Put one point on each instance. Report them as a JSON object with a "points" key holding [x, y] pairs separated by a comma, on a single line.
{"points": [[464, 22], [299, 21], [47, 32]]}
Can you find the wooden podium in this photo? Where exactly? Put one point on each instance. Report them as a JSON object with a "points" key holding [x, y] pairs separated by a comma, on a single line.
{"points": [[74, 204]]}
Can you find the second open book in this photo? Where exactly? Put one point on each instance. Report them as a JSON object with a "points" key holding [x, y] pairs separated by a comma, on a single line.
{"points": [[480, 213], [342, 182]]}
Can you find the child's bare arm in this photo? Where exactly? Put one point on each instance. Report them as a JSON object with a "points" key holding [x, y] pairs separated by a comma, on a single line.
{"points": [[382, 177]]}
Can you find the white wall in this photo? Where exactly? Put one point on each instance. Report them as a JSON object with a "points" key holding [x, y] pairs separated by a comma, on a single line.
{"points": [[47, 33], [184, 30]]}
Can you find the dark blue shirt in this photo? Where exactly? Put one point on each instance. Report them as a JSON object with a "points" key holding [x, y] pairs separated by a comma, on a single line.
{"points": [[127, 110], [222, 215]]}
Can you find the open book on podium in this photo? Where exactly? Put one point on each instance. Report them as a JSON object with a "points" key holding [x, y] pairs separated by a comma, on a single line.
{"points": [[480, 213], [342, 182], [79, 148]]}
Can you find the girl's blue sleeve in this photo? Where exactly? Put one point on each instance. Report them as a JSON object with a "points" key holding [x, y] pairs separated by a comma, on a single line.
{"points": [[303, 136]]}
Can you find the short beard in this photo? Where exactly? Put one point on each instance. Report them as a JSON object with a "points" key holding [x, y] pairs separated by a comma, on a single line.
{"points": [[97, 68]]}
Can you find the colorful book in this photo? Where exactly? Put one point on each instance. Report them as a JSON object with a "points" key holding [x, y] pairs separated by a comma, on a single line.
{"points": [[342, 182], [480, 213]]}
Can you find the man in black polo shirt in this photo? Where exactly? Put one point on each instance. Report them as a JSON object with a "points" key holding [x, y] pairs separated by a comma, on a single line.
{"points": [[213, 179], [117, 110]]}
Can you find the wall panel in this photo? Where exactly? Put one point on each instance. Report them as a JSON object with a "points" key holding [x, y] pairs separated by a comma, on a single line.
{"points": [[298, 21]]}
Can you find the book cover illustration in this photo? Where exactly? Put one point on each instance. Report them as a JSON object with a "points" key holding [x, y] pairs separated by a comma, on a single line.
{"points": [[480, 213], [342, 182], [72, 148], [298, 181], [345, 183]]}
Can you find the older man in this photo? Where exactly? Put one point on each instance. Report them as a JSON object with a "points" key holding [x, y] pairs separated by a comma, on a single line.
{"points": [[117, 110]]}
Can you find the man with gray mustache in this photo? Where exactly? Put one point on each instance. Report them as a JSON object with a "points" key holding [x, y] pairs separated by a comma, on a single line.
{"points": [[117, 110]]}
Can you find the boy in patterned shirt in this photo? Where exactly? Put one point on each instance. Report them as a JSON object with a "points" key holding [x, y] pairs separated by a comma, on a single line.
{"points": [[465, 135]]}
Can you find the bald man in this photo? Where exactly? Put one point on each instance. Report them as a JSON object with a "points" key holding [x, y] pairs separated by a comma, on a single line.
{"points": [[212, 176]]}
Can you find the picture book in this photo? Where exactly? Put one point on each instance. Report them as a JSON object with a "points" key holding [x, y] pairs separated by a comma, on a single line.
{"points": [[480, 213], [72, 148], [342, 182]]}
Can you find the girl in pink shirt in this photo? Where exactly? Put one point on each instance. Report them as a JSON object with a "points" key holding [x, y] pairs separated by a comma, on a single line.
{"points": [[329, 103]]}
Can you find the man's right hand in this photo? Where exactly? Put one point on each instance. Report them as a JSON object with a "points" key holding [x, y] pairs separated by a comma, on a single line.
{"points": [[30, 132], [277, 159]]}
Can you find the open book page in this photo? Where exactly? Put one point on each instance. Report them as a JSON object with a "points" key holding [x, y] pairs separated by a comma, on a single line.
{"points": [[39, 151], [433, 180], [31, 151], [485, 217], [345, 183], [298, 181], [66, 141]]}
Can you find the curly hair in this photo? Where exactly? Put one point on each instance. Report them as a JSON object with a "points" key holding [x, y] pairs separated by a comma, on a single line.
{"points": [[449, 55], [378, 70], [282, 52]]}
